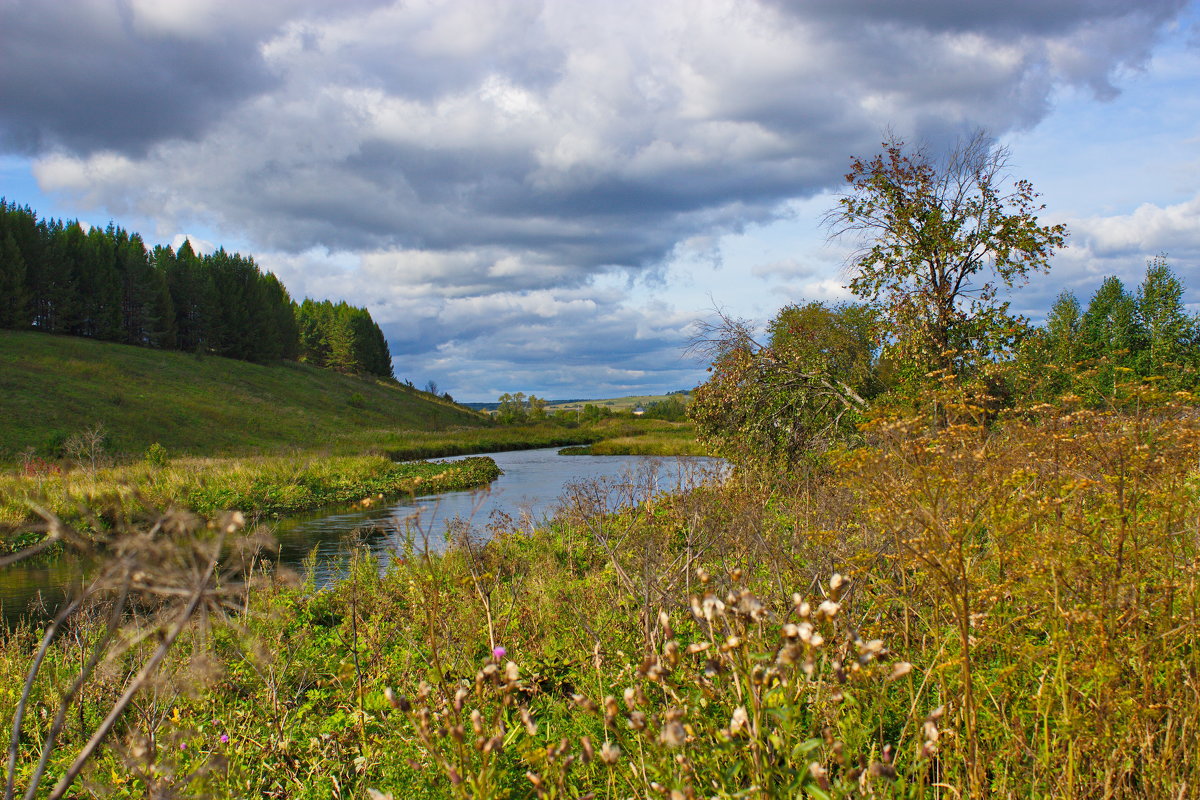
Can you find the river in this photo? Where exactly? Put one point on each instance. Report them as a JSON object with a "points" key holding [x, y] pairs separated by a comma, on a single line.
{"points": [[533, 485]]}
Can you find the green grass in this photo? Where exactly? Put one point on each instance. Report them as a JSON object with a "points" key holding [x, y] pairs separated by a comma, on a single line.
{"points": [[54, 386], [677, 440], [257, 485], [627, 403]]}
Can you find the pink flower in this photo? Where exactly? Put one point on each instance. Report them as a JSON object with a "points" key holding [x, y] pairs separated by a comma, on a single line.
{"points": [[499, 653], [224, 738]]}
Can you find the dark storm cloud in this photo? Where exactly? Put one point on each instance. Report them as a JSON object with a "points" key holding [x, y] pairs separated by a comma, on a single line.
{"points": [[88, 75], [80, 77], [537, 130]]}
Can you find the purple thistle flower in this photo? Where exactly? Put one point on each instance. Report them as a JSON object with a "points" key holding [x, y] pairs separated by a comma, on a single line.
{"points": [[224, 738], [499, 653]]}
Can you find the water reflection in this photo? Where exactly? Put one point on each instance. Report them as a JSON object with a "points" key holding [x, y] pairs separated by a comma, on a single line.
{"points": [[533, 488], [536, 484]]}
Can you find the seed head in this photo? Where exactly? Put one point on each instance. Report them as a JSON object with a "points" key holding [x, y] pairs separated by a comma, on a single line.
{"points": [[609, 753], [673, 734], [712, 607], [828, 609], [527, 721]]}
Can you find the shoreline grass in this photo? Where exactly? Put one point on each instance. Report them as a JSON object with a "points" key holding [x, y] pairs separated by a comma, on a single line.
{"points": [[956, 610], [259, 486]]}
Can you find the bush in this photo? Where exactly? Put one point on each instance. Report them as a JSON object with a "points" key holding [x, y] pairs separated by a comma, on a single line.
{"points": [[156, 455]]}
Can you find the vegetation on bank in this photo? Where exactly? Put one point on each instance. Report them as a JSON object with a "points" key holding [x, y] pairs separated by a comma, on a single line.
{"points": [[679, 439], [1001, 610], [262, 486]]}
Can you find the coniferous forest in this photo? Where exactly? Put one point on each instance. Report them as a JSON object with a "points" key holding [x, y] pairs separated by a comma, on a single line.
{"points": [[55, 277]]}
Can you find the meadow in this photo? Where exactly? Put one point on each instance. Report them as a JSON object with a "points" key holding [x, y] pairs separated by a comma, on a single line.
{"points": [[960, 607]]}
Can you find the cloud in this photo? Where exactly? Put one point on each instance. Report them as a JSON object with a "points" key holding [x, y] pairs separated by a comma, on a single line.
{"points": [[785, 268], [462, 153], [1120, 245]]}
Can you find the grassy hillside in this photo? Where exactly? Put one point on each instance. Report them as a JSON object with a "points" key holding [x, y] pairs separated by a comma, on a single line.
{"points": [[52, 387]]}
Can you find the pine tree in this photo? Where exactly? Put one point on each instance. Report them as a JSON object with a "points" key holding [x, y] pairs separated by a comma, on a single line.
{"points": [[14, 296], [192, 295]]}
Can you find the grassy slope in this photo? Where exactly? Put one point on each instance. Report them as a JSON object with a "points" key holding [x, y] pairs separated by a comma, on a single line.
{"points": [[51, 385]]}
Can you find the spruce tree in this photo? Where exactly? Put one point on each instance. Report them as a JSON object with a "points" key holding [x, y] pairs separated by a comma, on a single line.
{"points": [[14, 296]]}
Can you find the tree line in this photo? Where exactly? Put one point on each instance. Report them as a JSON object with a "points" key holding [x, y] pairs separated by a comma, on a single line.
{"points": [[941, 239], [56, 277]]}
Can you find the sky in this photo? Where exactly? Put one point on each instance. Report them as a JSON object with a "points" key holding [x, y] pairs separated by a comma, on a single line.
{"points": [[545, 195]]}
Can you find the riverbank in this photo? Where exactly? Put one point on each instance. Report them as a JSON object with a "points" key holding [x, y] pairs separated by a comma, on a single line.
{"points": [[959, 591], [611, 437], [262, 485], [300, 480]]}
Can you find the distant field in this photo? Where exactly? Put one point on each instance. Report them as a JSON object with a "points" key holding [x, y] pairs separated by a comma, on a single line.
{"points": [[618, 403], [54, 386], [615, 403]]}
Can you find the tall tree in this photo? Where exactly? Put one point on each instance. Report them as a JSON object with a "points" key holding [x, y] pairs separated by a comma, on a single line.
{"points": [[193, 296], [1110, 326], [1168, 330], [1063, 329], [14, 296], [940, 239]]}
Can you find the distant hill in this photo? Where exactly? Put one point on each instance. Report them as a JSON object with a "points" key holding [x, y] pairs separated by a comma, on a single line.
{"points": [[55, 386]]}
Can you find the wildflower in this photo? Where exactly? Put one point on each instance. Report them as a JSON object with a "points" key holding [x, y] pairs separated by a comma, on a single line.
{"points": [[224, 738], [499, 653]]}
